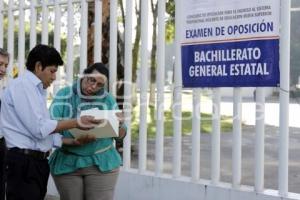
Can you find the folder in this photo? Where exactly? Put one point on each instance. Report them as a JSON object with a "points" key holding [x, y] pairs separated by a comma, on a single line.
{"points": [[109, 127]]}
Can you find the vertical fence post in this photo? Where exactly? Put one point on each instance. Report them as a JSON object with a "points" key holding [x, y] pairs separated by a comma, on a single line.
{"points": [[113, 37], [83, 35], [177, 99], [1, 24], [98, 31], [237, 138], [144, 86], [215, 140], [160, 77], [70, 38], [21, 38], [32, 23], [128, 82], [45, 15], [57, 42], [196, 132], [259, 139], [10, 36], [284, 97]]}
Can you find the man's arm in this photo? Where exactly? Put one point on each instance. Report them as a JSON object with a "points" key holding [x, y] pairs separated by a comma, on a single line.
{"points": [[29, 110], [24, 101], [65, 125], [84, 123]]}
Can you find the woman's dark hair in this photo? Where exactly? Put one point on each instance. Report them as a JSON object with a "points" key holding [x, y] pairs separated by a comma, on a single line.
{"points": [[99, 67], [45, 54], [4, 53]]}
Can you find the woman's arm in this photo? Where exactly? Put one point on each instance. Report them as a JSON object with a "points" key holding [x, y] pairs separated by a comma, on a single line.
{"points": [[84, 139]]}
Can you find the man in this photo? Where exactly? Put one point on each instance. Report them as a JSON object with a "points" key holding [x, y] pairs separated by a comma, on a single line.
{"points": [[28, 130], [4, 57]]}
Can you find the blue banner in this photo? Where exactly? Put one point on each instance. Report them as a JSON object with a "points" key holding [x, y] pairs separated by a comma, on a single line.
{"points": [[253, 63]]}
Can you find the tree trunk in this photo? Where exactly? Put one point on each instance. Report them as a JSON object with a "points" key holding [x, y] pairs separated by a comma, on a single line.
{"points": [[105, 44], [153, 55], [135, 50], [136, 44], [105, 31]]}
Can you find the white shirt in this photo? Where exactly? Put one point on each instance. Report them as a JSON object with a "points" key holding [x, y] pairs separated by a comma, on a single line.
{"points": [[24, 119], [2, 87]]}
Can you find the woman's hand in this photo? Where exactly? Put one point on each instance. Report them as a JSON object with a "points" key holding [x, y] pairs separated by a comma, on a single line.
{"points": [[86, 138], [122, 130], [87, 122], [120, 116], [122, 133]]}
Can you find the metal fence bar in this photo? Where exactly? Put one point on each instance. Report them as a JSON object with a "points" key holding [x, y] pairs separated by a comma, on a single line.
{"points": [[32, 23], [128, 83], [10, 36], [21, 38], [160, 77], [70, 47], [144, 85], [284, 97], [177, 98], [113, 37], [98, 31], [259, 140], [57, 42], [1, 24], [215, 140], [295, 9], [196, 132], [83, 35], [57, 25], [45, 14], [237, 138]]}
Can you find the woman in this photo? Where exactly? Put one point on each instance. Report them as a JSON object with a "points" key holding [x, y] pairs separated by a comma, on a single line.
{"points": [[88, 171]]}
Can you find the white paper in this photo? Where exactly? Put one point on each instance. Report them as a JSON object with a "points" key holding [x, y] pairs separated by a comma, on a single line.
{"points": [[108, 128]]}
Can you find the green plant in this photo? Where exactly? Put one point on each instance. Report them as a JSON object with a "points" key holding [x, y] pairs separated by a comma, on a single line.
{"points": [[206, 123]]}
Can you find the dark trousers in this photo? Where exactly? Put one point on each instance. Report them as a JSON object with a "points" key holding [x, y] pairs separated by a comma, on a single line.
{"points": [[27, 177], [2, 168]]}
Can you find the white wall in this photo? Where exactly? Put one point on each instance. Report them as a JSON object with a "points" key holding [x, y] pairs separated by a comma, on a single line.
{"points": [[133, 186]]}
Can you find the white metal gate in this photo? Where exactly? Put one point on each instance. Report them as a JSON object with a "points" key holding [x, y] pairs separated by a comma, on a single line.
{"points": [[141, 183]]}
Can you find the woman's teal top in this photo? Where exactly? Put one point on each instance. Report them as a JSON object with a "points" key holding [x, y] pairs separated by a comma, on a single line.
{"points": [[67, 104]]}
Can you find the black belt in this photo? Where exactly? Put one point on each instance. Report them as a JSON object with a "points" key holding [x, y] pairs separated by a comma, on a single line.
{"points": [[29, 152]]}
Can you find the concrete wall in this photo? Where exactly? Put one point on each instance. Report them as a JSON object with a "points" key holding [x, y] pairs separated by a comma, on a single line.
{"points": [[133, 186]]}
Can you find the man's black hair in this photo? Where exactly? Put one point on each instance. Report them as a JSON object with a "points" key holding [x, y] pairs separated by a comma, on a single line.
{"points": [[100, 67], [45, 54]]}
